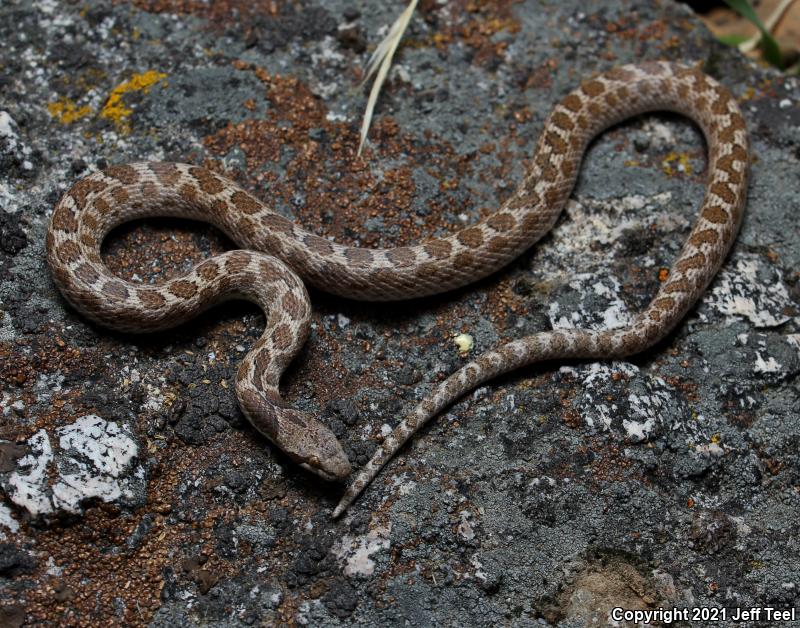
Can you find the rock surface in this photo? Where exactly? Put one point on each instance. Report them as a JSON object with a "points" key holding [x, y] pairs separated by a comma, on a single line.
{"points": [[550, 495]]}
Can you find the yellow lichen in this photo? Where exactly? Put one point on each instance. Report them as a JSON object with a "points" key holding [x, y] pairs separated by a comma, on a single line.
{"points": [[115, 109], [676, 162], [66, 111]]}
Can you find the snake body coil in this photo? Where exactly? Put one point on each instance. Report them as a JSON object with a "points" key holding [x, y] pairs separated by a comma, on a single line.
{"points": [[277, 253]]}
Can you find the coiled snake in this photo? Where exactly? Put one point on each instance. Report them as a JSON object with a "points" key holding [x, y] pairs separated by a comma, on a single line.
{"points": [[276, 254]]}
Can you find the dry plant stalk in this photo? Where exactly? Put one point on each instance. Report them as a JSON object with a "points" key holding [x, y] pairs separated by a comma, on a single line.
{"points": [[381, 60]]}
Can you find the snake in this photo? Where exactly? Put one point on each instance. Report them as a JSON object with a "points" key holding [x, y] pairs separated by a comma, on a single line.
{"points": [[278, 258]]}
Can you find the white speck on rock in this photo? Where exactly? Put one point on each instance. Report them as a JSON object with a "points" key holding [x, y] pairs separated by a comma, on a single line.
{"points": [[6, 128], [770, 365]]}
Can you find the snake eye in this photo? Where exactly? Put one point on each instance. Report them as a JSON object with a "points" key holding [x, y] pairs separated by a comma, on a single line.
{"points": [[314, 461]]}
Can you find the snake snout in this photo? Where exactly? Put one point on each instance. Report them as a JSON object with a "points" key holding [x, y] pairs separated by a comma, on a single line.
{"points": [[334, 465], [319, 451]]}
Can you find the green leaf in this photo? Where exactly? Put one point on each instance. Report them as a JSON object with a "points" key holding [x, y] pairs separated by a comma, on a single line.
{"points": [[732, 40], [772, 52]]}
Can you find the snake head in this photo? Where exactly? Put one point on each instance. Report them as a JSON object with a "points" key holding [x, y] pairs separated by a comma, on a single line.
{"points": [[319, 451], [301, 437], [311, 444]]}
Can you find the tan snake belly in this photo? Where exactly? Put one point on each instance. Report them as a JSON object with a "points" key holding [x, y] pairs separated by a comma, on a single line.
{"points": [[276, 254]]}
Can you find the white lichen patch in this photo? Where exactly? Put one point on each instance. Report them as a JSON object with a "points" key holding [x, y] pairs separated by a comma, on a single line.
{"points": [[593, 222], [95, 459], [465, 529], [618, 395], [612, 314], [751, 289], [26, 484], [355, 552], [774, 355], [7, 521]]}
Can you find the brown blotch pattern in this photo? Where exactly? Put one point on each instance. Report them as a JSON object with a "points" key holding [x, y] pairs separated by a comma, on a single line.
{"points": [[567, 168], [723, 191], [68, 252], [715, 214], [706, 236], [124, 173], [183, 288], [555, 142], [501, 222], [562, 121], [83, 188], [245, 203], [620, 74], [64, 219], [664, 303], [596, 110], [726, 163], [208, 182], [167, 174], [465, 260], [498, 245], [605, 342], [401, 256], [246, 228], [720, 104], [269, 272], [90, 221], [471, 237], [282, 337], [278, 223], [531, 222], [101, 206], [358, 256], [696, 261], [88, 240], [151, 298], [237, 261], [262, 361], [115, 288], [438, 249], [208, 270], [677, 286], [87, 273], [318, 245], [593, 88], [293, 306], [573, 103], [188, 193], [120, 195]]}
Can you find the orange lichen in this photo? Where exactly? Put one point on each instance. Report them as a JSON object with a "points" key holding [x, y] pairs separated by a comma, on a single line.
{"points": [[66, 111], [115, 108], [676, 162]]}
